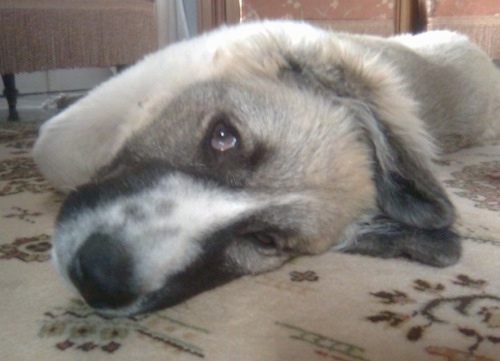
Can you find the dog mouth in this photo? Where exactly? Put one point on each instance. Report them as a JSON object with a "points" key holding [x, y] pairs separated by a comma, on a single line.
{"points": [[155, 238], [103, 272]]}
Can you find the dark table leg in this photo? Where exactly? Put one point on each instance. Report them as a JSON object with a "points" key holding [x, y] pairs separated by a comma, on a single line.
{"points": [[10, 93]]}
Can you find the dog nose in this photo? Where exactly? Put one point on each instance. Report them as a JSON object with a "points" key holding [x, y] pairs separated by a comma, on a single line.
{"points": [[102, 271]]}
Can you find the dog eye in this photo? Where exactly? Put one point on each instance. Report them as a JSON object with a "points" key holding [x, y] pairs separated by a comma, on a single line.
{"points": [[267, 243], [223, 138], [265, 240]]}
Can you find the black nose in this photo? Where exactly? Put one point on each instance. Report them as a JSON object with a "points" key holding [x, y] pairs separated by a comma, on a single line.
{"points": [[102, 270]]}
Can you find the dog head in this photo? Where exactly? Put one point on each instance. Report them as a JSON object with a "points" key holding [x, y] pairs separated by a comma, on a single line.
{"points": [[236, 175], [230, 179]]}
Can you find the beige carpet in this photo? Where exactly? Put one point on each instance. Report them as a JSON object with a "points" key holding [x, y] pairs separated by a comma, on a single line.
{"points": [[331, 307]]}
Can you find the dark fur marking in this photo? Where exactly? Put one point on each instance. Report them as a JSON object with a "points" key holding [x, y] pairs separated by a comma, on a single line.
{"points": [[103, 271], [99, 192], [165, 207], [387, 239], [206, 272], [134, 213], [410, 193]]}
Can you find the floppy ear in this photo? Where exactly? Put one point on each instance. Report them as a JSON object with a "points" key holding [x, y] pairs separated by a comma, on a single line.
{"points": [[407, 190], [414, 216]]}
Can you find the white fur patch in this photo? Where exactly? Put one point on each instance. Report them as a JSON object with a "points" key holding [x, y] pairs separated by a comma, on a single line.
{"points": [[172, 218], [161, 227]]}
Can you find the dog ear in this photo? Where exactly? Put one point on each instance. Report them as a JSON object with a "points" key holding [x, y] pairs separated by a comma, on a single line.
{"points": [[415, 215], [407, 189], [379, 236]]}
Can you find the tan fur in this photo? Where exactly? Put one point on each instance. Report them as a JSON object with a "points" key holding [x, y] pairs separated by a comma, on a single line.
{"points": [[333, 141]]}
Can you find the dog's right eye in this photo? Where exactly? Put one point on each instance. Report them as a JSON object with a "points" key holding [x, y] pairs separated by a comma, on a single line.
{"points": [[265, 240], [223, 137], [266, 243]]}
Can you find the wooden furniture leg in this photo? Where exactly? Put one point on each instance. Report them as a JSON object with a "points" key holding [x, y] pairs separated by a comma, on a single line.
{"points": [[10, 92]]}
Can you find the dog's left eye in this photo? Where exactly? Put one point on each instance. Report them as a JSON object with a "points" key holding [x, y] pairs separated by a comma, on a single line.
{"points": [[223, 138], [265, 240]]}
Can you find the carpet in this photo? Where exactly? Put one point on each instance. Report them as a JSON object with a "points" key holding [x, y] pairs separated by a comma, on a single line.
{"points": [[329, 307]]}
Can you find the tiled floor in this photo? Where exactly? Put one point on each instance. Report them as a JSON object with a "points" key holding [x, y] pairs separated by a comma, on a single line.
{"points": [[29, 107]]}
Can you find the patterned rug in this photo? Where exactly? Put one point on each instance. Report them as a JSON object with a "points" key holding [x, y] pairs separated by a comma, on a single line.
{"points": [[330, 307]]}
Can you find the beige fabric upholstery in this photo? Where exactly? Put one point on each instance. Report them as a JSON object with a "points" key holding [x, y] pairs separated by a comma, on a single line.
{"points": [[479, 19], [357, 16], [47, 34]]}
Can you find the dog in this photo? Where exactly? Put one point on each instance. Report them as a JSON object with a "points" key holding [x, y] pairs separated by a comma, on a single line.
{"points": [[231, 153]]}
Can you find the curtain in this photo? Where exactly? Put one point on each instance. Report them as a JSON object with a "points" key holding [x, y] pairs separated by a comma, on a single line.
{"points": [[172, 21]]}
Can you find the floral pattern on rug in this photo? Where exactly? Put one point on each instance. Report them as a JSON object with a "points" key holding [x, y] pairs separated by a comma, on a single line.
{"points": [[18, 135], [78, 327], [480, 183], [306, 276], [324, 346], [472, 179], [443, 306], [22, 214], [28, 249], [18, 173]]}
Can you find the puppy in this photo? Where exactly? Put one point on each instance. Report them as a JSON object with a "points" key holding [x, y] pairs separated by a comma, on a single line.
{"points": [[233, 152]]}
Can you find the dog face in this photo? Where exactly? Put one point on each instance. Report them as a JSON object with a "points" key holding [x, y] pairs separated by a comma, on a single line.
{"points": [[229, 179], [294, 151], [252, 175]]}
